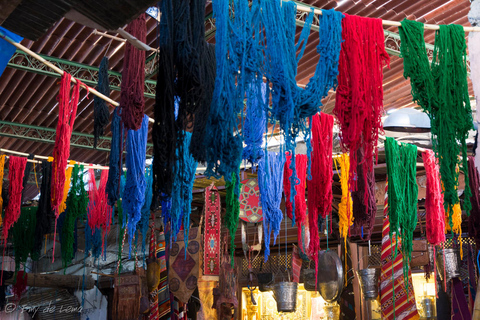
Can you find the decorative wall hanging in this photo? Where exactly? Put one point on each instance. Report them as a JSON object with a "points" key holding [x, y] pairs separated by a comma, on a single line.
{"points": [[213, 228], [126, 297], [45, 212], [434, 209], [101, 114], [115, 160], [296, 206], [403, 195], [16, 170], [132, 101], [359, 99], [364, 203], [250, 205], [134, 193], [441, 89], [225, 295], [394, 300], [183, 271], [270, 180], [66, 117]]}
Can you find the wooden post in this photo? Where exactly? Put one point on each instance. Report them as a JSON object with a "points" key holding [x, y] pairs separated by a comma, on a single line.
{"points": [[57, 281]]}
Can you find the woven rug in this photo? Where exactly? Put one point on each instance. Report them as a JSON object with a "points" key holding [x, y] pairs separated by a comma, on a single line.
{"points": [[184, 266], [211, 240]]}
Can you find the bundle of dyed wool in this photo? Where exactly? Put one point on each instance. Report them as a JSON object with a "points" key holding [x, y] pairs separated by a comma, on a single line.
{"points": [[66, 116], [16, 170], [132, 101], [364, 203], [345, 207], [44, 211], [143, 223], [115, 160], [232, 209], [434, 200], [20, 286], [270, 184], [26, 175], [100, 108], [2, 167], [93, 241], [255, 123], [66, 188], [295, 203], [134, 193], [185, 169], [320, 183], [23, 232], [474, 219], [402, 194], [359, 99], [448, 107], [77, 203]]}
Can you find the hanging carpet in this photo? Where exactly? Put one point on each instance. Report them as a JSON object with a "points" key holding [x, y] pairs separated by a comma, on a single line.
{"points": [[213, 230]]}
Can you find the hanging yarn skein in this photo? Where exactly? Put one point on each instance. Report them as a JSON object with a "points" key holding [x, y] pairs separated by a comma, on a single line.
{"points": [[474, 219], [23, 232], [44, 212], [345, 207], [66, 188], [434, 209], [232, 213], [134, 193], [364, 203], [77, 204], [255, 123], [185, 170], [16, 170], [26, 175], [359, 99], [402, 194], [114, 166], [132, 101], [270, 183], [297, 207], [143, 223], [66, 117], [448, 107], [100, 108]]}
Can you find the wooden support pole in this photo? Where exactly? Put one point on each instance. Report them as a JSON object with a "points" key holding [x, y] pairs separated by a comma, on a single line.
{"points": [[57, 281]]}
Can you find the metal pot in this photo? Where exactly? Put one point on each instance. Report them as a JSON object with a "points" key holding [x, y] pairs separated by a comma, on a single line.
{"points": [[309, 279], [265, 280], [452, 263], [285, 294], [368, 279]]}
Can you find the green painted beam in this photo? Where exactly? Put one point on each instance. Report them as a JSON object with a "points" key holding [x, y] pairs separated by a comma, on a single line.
{"points": [[47, 135], [87, 74]]}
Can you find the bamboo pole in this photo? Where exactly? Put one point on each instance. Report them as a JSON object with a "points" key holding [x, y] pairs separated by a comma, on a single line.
{"points": [[59, 71]]}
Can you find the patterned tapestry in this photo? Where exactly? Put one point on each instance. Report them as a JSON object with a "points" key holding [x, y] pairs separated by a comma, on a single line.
{"points": [[250, 206], [184, 266], [211, 244]]}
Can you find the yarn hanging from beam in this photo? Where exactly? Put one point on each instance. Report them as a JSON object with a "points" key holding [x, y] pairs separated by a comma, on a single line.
{"points": [[66, 188], [23, 232], [132, 100], [143, 223], [26, 175], [77, 204], [270, 183], [100, 108], [441, 89], [232, 209], [402, 195], [255, 123], [345, 207], [115, 160], [16, 170], [134, 193], [359, 99], [44, 213]]}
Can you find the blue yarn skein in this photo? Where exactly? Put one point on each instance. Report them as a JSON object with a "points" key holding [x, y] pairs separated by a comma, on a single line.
{"points": [[255, 123], [270, 182], [143, 223], [112, 188], [134, 193]]}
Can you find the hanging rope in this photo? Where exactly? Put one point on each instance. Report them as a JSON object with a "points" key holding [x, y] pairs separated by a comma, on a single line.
{"points": [[270, 183], [255, 123], [16, 170], [2, 167], [100, 108], [441, 89], [433, 200], [364, 203], [134, 193], [359, 99], [66, 116], [114, 167], [44, 212], [23, 232], [77, 204], [402, 194], [132, 101]]}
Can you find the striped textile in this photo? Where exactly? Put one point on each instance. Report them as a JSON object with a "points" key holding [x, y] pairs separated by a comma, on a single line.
{"points": [[403, 307], [153, 297]]}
